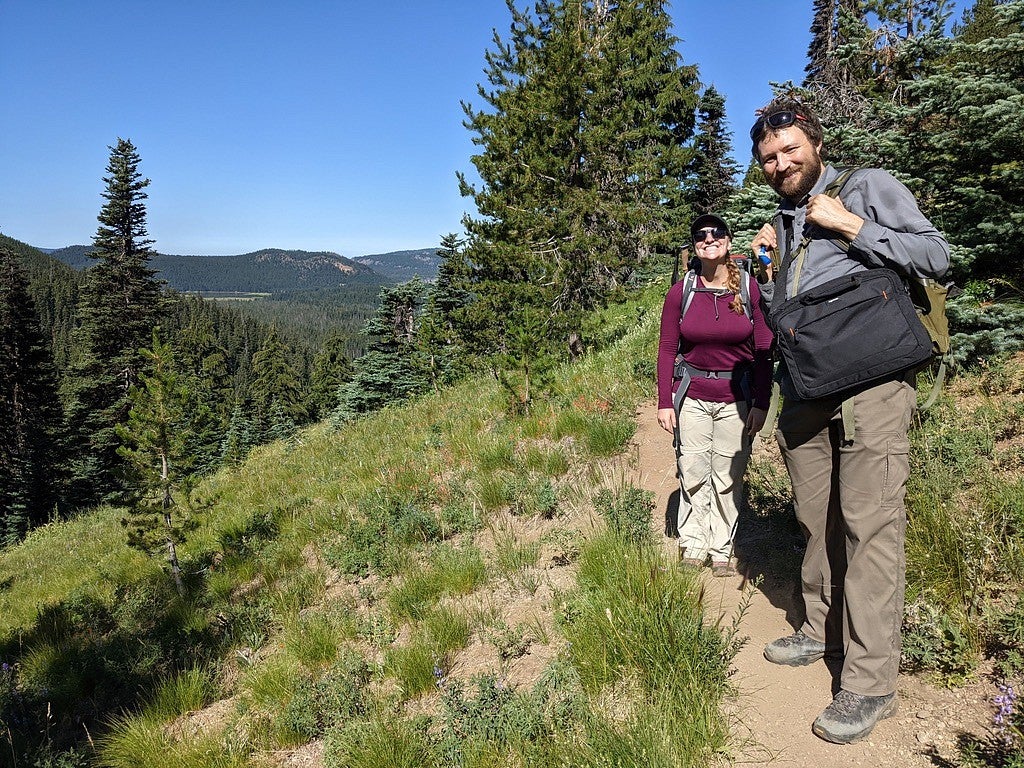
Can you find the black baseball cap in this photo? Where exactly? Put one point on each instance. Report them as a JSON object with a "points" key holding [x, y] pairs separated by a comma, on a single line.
{"points": [[708, 220]]}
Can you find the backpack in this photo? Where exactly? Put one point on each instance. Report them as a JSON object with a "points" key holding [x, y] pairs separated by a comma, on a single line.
{"points": [[689, 286], [927, 294]]}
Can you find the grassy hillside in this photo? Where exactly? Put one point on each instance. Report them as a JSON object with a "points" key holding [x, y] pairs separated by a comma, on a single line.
{"points": [[443, 584]]}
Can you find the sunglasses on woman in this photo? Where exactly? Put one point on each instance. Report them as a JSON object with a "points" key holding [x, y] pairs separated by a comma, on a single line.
{"points": [[716, 232], [775, 121]]}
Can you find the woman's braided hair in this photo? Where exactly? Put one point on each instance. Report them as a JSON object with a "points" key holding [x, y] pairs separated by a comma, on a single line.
{"points": [[733, 284]]}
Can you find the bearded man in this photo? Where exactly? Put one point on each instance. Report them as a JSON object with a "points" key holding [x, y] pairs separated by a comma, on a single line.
{"points": [[848, 494]]}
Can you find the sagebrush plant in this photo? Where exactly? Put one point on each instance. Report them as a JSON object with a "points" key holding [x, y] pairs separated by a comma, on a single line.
{"points": [[627, 512]]}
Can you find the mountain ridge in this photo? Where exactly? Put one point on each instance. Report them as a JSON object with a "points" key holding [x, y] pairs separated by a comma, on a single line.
{"points": [[275, 270]]}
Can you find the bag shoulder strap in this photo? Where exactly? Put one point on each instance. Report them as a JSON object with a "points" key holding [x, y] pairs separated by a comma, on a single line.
{"points": [[686, 298], [834, 189]]}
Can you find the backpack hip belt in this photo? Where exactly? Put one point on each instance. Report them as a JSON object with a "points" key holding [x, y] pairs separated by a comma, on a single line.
{"points": [[682, 366]]}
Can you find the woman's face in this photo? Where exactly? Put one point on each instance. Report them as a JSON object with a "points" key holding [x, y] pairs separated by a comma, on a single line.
{"points": [[712, 244]]}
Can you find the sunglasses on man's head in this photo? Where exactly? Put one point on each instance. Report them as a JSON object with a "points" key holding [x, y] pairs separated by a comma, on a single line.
{"points": [[775, 120], [716, 232]]}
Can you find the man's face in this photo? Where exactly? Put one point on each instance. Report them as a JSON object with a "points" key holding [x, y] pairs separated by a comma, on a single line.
{"points": [[790, 162]]}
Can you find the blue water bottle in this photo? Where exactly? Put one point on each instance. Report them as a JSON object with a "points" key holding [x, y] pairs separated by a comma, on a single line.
{"points": [[762, 256]]}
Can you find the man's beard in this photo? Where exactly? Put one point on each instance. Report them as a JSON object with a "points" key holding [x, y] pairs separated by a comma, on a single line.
{"points": [[805, 181]]}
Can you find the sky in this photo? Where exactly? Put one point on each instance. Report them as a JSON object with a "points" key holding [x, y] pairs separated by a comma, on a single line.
{"points": [[320, 125]]}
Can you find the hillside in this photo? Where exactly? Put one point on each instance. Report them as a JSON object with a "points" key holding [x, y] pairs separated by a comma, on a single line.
{"points": [[271, 270], [274, 270], [439, 578], [401, 266]]}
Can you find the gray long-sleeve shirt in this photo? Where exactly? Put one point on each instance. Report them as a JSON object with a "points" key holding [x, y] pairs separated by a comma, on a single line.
{"points": [[895, 234]]}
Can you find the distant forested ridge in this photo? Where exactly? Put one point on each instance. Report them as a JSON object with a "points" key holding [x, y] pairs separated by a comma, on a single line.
{"points": [[402, 266], [270, 270]]}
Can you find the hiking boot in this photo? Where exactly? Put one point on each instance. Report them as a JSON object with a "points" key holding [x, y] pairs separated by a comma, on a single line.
{"points": [[723, 568], [693, 562], [851, 716], [796, 650]]}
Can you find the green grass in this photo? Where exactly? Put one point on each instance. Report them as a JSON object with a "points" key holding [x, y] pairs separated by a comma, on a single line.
{"points": [[188, 691], [965, 533], [450, 571], [422, 662]]}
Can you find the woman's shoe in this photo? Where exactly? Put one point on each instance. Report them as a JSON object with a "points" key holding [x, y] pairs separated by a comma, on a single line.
{"points": [[693, 562], [724, 568]]}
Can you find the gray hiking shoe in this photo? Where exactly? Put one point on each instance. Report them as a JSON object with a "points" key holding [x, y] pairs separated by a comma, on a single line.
{"points": [[796, 650], [850, 717]]}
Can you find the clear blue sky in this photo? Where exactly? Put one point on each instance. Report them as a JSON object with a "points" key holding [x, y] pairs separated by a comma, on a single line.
{"points": [[313, 124]]}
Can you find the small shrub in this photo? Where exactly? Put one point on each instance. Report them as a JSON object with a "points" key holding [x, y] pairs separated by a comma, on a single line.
{"points": [[457, 517], [495, 718], [628, 513], [333, 699], [535, 498], [510, 643], [933, 641]]}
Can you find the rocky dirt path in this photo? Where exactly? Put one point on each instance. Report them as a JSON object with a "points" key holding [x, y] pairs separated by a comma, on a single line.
{"points": [[775, 705]]}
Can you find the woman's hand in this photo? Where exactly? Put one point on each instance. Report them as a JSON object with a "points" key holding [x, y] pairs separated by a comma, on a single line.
{"points": [[755, 420], [667, 419]]}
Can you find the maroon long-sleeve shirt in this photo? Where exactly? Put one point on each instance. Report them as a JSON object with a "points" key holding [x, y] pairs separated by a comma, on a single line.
{"points": [[714, 338]]}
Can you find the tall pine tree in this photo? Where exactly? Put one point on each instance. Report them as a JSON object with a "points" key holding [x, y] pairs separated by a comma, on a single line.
{"points": [[582, 160], [31, 420], [714, 169], [119, 304]]}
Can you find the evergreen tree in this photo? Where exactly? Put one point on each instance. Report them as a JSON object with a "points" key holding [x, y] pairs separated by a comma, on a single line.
{"points": [[945, 115], [331, 369], [119, 304], [837, 58], [241, 437], [155, 443], [714, 170], [393, 368], [31, 419], [582, 164], [444, 315], [276, 386]]}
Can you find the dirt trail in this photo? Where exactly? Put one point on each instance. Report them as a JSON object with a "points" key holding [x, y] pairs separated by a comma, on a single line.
{"points": [[776, 705]]}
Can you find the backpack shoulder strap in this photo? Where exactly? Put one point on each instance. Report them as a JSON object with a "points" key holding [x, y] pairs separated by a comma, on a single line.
{"points": [[686, 298], [745, 294]]}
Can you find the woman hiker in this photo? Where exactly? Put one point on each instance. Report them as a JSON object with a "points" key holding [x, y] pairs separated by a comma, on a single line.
{"points": [[714, 385]]}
